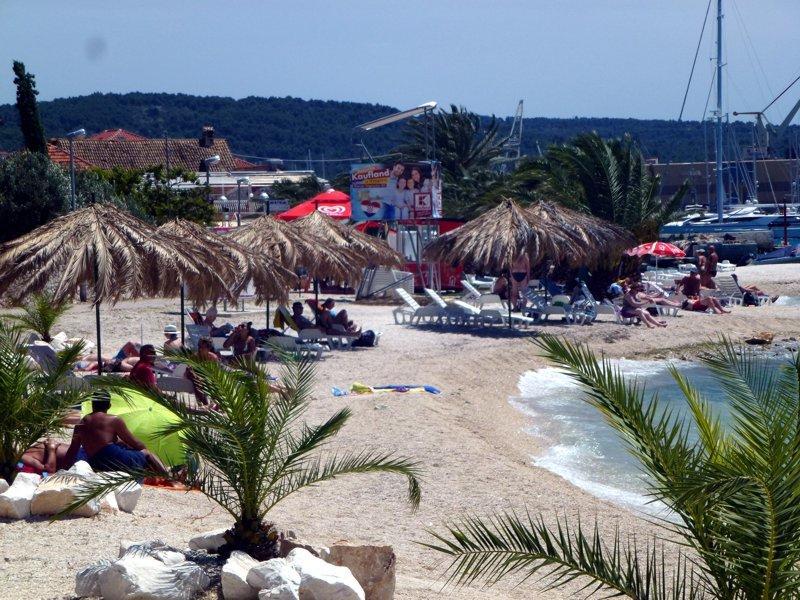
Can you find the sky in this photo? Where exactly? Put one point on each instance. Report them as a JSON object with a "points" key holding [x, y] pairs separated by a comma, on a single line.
{"points": [[564, 58]]}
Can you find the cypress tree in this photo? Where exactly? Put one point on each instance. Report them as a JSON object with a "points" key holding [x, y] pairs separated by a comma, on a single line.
{"points": [[29, 121]]}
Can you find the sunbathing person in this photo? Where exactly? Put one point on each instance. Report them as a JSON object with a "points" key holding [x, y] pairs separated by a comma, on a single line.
{"points": [[46, 456], [122, 362], [632, 307], [241, 341], [333, 319], [142, 373], [655, 294], [703, 304], [108, 443], [300, 320], [171, 344], [750, 288]]}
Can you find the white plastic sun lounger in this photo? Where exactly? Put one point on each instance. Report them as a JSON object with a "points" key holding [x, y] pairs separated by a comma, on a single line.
{"points": [[458, 312], [473, 294], [462, 313], [412, 312]]}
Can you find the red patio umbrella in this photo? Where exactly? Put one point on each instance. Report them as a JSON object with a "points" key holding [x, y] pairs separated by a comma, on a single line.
{"points": [[659, 249], [330, 203]]}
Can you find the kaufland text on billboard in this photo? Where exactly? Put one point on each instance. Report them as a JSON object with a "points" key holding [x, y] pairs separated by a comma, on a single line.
{"points": [[392, 191]]}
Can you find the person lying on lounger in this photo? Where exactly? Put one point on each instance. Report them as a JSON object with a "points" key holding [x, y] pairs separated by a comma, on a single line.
{"points": [[122, 362], [45, 456], [108, 443], [333, 320]]}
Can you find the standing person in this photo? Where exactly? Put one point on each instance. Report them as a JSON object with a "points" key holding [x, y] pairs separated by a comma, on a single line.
{"points": [[520, 272], [711, 267], [702, 266], [142, 372]]}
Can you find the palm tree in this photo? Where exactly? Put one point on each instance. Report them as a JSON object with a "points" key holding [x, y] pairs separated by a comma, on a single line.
{"points": [[32, 403], [734, 491], [256, 450], [41, 314], [466, 146], [607, 178]]}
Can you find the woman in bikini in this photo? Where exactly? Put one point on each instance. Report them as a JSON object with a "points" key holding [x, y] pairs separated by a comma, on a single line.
{"points": [[520, 272]]}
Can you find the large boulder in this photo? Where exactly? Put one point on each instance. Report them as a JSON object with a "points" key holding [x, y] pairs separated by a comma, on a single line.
{"points": [[3, 485], [372, 566], [210, 541], [126, 495], [320, 580], [138, 575], [15, 502], [271, 574], [284, 592], [234, 577], [154, 549], [60, 490], [87, 580]]}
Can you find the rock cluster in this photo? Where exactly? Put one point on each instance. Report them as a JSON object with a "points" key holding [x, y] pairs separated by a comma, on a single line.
{"points": [[30, 495], [143, 570]]}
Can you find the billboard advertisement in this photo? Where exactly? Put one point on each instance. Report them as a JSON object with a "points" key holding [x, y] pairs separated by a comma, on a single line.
{"points": [[395, 191]]}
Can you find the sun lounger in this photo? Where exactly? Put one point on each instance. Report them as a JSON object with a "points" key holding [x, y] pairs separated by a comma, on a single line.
{"points": [[463, 313], [472, 294], [295, 346], [414, 312], [457, 312], [481, 284], [195, 333], [728, 289]]}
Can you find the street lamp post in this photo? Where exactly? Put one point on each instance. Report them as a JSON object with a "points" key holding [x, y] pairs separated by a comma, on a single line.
{"points": [[78, 133], [211, 160], [239, 182]]}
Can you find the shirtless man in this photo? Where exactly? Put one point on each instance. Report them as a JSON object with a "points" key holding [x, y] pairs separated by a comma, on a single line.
{"points": [[108, 443]]}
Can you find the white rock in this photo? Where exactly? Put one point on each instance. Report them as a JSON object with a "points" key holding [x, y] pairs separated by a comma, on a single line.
{"points": [[234, 577], [15, 502], [56, 492], [372, 566], [81, 468], [153, 548], [108, 503], [3, 485], [273, 573], [322, 580], [128, 495], [210, 541], [140, 576], [284, 592], [87, 581]]}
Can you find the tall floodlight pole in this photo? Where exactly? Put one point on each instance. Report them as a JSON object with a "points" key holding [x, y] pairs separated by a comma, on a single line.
{"points": [[78, 133], [239, 182], [718, 141], [211, 160]]}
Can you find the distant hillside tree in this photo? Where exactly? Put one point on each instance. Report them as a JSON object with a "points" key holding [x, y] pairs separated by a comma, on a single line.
{"points": [[33, 190], [29, 121]]}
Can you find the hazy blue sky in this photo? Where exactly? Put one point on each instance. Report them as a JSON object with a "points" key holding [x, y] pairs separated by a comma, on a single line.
{"points": [[620, 58]]}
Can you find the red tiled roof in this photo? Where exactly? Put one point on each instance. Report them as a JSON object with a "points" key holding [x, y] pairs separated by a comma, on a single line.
{"points": [[118, 135], [61, 157], [242, 164], [145, 153]]}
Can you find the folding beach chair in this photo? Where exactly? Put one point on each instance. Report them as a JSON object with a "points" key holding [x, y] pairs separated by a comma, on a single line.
{"points": [[412, 311]]}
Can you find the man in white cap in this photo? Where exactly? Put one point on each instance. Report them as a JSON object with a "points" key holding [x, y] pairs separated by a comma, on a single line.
{"points": [[172, 343]]}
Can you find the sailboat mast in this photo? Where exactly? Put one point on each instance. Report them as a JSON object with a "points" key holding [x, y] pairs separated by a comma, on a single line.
{"points": [[718, 144]]}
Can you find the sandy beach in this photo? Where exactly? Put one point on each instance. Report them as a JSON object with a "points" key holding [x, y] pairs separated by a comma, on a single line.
{"points": [[469, 440]]}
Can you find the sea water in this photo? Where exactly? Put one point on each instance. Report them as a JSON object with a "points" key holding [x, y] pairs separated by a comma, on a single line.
{"points": [[577, 443]]}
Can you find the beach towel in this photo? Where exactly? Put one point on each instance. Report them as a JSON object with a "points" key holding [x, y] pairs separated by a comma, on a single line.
{"points": [[359, 389]]}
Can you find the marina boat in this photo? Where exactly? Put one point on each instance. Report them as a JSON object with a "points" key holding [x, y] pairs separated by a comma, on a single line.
{"points": [[740, 220]]}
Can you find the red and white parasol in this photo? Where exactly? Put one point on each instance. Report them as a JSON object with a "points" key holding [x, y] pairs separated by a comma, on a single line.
{"points": [[659, 249]]}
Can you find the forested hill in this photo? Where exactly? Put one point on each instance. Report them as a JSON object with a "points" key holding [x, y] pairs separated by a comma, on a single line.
{"points": [[289, 127]]}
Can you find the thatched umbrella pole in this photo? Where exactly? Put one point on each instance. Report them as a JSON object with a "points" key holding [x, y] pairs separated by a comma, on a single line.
{"points": [[97, 315]]}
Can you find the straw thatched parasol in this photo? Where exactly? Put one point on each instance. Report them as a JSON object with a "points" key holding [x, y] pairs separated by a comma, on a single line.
{"points": [[593, 240], [543, 231], [113, 252], [375, 250], [241, 266], [269, 236]]}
